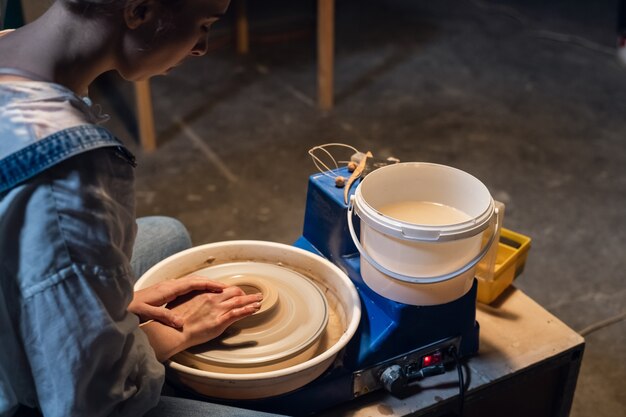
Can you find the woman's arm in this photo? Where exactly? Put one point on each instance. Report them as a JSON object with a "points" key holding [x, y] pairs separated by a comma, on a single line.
{"points": [[70, 238]]}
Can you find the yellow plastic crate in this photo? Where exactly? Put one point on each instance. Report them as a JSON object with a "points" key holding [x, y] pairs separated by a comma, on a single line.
{"points": [[509, 263]]}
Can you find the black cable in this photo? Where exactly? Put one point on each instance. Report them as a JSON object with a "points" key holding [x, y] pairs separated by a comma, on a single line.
{"points": [[459, 370]]}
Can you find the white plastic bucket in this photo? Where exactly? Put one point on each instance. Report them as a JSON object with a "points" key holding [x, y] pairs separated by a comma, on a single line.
{"points": [[421, 263]]}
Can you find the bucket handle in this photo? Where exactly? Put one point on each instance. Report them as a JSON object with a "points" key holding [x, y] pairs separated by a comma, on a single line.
{"points": [[418, 280]]}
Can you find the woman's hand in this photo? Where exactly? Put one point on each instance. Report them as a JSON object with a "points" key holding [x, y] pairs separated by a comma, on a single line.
{"points": [[205, 316], [149, 303]]}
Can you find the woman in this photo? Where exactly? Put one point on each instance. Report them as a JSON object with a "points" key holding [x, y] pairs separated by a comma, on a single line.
{"points": [[72, 343]]}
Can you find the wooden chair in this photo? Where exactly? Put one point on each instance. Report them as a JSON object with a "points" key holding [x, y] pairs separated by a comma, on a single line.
{"points": [[145, 115], [325, 45]]}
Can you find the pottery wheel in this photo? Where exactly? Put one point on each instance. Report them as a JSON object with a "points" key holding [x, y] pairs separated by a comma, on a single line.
{"points": [[285, 331]]}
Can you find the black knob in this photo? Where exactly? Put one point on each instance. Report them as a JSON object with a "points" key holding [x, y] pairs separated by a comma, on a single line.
{"points": [[393, 379]]}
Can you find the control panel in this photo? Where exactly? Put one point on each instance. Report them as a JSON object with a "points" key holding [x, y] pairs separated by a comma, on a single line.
{"points": [[398, 373]]}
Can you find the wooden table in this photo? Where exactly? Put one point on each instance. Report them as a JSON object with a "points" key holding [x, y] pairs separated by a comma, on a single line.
{"points": [[527, 366]]}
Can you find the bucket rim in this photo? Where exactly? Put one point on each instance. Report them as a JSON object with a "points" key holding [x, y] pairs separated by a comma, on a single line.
{"points": [[422, 232]]}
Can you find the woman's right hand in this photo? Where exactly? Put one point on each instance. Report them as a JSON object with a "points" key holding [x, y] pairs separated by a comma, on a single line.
{"points": [[205, 316]]}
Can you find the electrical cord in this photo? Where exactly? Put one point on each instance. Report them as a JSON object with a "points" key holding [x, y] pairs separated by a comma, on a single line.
{"points": [[459, 370], [602, 324]]}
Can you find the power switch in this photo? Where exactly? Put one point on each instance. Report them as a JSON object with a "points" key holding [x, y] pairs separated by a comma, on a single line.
{"points": [[432, 359]]}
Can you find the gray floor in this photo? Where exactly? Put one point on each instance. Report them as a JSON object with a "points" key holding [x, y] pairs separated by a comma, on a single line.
{"points": [[525, 95]]}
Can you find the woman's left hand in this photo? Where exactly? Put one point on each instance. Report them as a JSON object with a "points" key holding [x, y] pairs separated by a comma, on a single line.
{"points": [[149, 303]]}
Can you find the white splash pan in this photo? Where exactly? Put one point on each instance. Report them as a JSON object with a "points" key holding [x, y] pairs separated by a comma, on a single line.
{"points": [[339, 290]]}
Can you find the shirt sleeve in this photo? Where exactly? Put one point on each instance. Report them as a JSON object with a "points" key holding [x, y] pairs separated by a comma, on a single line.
{"points": [[87, 354]]}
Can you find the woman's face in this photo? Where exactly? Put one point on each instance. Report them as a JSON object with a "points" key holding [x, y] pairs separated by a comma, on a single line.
{"points": [[160, 34]]}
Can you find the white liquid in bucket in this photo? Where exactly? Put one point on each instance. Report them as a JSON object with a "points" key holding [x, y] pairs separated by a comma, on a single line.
{"points": [[424, 213]]}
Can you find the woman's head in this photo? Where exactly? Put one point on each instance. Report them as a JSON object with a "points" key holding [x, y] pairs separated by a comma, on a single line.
{"points": [[154, 35]]}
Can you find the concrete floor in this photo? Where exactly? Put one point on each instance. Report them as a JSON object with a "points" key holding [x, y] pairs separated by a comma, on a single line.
{"points": [[525, 95]]}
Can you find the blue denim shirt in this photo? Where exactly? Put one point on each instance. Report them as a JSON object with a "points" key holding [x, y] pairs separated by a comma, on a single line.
{"points": [[67, 225]]}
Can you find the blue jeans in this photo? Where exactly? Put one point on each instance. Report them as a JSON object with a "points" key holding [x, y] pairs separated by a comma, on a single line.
{"points": [[157, 238]]}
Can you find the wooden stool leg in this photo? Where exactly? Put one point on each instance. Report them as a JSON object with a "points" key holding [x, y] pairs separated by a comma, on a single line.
{"points": [[241, 27], [325, 52], [145, 115]]}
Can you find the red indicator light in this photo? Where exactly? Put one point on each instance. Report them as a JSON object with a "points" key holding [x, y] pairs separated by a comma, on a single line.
{"points": [[432, 359], [427, 361]]}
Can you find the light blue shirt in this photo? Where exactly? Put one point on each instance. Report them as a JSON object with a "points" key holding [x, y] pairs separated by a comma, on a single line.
{"points": [[67, 343]]}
